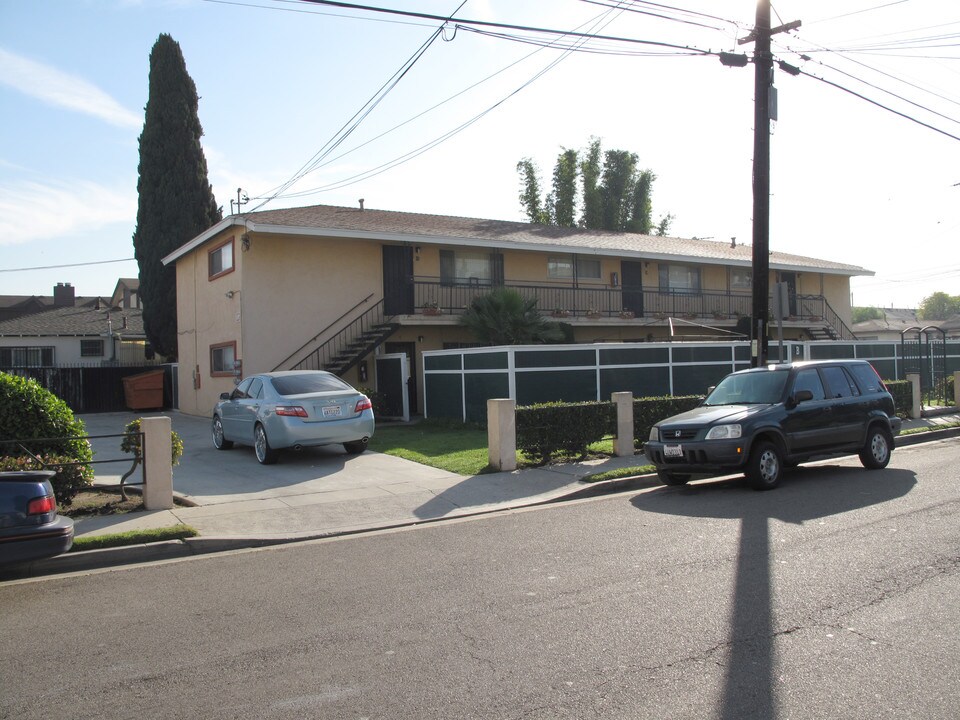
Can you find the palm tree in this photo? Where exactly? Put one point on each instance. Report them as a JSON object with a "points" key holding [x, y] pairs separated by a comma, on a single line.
{"points": [[505, 317]]}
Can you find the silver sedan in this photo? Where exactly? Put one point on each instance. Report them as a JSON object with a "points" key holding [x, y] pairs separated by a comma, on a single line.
{"points": [[292, 409]]}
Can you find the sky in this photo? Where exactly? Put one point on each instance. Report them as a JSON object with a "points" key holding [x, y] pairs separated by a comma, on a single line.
{"points": [[281, 82]]}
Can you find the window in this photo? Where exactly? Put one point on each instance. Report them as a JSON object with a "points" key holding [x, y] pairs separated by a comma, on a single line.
{"points": [[809, 380], [220, 260], [91, 348], [465, 267], [17, 357], [867, 378], [222, 359], [561, 267], [741, 278], [679, 279], [840, 383]]}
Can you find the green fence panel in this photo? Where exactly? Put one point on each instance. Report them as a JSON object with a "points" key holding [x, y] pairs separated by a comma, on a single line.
{"points": [[481, 387], [444, 396], [556, 386]]}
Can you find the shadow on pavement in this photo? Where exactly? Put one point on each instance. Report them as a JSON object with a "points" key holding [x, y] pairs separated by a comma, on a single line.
{"points": [[806, 494]]}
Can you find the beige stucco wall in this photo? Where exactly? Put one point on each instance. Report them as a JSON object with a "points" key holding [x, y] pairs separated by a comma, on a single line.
{"points": [[205, 317]]}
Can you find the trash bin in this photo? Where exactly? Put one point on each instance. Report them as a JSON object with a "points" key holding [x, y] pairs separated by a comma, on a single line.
{"points": [[144, 391]]}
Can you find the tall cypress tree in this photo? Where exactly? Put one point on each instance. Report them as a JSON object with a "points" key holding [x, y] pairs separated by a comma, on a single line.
{"points": [[176, 200]]}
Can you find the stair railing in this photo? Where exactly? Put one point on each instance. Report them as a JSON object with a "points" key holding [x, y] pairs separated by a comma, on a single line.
{"points": [[328, 329]]}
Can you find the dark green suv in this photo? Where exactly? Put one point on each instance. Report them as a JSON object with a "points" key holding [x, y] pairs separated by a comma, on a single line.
{"points": [[759, 421]]}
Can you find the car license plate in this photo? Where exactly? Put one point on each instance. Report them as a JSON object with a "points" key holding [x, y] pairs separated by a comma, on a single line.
{"points": [[332, 411], [673, 451]]}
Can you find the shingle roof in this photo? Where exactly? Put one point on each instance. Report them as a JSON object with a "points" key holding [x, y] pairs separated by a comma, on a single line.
{"points": [[328, 220], [75, 322]]}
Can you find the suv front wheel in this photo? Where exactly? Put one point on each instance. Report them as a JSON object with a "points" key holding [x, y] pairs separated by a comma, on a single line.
{"points": [[875, 454], [765, 466]]}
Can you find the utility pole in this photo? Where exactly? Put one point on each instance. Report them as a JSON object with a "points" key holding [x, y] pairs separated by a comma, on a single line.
{"points": [[763, 81]]}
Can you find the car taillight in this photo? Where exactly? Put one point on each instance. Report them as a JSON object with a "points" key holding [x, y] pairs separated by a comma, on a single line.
{"points": [[42, 505], [363, 404], [291, 411]]}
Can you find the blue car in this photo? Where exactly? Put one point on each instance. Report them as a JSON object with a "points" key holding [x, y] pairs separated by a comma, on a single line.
{"points": [[30, 527], [292, 409]]}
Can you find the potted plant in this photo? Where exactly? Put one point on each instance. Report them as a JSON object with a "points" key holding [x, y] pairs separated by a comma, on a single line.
{"points": [[594, 314], [627, 315], [560, 313], [431, 307]]}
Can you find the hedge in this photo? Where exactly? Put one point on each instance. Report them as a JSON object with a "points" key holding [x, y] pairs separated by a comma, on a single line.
{"points": [[902, 391], [549, 429]]}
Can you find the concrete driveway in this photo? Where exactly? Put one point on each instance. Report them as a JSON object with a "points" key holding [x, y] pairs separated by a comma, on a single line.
{"points": [[207, 476]]}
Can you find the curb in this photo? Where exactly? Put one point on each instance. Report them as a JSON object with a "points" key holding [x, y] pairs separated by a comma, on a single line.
{"points": [[190, 547], [175, 549]]}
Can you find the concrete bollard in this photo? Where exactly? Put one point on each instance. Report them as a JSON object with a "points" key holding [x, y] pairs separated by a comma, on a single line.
{"points": [[502, 433], [157, 467], [916, 405], [623, 441]]}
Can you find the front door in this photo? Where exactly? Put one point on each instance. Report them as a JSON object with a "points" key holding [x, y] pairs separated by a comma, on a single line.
{"points": [[790, 278], [392, 375], [632, 286], [397, 280], [410, 350]]}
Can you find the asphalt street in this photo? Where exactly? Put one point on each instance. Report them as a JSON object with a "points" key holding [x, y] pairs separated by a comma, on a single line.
{"points": [[834, 596]]}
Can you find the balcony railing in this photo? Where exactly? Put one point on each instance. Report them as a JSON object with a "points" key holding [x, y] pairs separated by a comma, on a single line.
{"points": [[565, 301]]}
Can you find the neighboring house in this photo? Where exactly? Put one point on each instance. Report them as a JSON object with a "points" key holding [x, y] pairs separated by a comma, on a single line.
{"points": [[895, 322], [889, 327], [64, 295], [72, 334], [327, 286]]}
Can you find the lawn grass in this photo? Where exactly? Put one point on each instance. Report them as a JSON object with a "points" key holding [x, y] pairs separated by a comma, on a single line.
{"points": [[133, 537], [454, 447]]}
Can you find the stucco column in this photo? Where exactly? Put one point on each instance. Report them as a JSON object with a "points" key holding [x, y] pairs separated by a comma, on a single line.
{"points": [[157, 466], [623, 441], [916, 404], [502, 433]]}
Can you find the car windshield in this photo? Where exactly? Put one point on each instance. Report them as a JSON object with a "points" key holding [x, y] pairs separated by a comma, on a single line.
{"points": [[751, 388], [308, 383]]}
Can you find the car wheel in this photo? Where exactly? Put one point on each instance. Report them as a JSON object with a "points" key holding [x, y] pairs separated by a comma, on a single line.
{"points": [[765, 466], [266, 455], [669, 478], [356, 447], [876, 451], [218, 441]]}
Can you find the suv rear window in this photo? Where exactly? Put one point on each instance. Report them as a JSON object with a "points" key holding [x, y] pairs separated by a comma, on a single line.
{"points": [[841, 384], [867, 378], [302, 384]]}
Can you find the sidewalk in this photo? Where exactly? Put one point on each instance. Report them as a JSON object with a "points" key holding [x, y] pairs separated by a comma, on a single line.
{"points": [[237, 503]]}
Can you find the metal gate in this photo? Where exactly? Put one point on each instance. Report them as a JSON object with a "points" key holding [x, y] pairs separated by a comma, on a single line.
{"points": [[924, 352]]}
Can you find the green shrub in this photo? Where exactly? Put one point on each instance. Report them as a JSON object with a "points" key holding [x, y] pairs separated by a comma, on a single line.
{"points": [[568, 428], [902, 391], [377, 399], [45, 427], [131, 442], [647, 412]]}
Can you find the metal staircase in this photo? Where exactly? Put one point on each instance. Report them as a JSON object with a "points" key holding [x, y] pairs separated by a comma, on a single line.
{"points": [[355, 339]]}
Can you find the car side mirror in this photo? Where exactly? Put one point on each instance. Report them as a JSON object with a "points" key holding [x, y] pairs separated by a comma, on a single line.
{"points": [[800, 396], [224, 396]]}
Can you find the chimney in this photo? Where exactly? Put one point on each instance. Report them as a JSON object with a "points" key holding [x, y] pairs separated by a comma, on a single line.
{"points": [[64, 295], [361, 203]]}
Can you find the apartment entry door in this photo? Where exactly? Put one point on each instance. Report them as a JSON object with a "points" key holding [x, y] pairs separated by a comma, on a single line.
{"points": [[393, 371], [397, 280], [632, 286]]}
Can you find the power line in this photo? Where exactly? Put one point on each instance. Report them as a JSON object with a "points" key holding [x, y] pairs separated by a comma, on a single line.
{"points": [[70, 265]]}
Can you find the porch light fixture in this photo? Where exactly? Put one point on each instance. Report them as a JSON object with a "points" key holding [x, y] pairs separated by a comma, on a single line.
{"points": [[416, 253], [244, 242]]}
